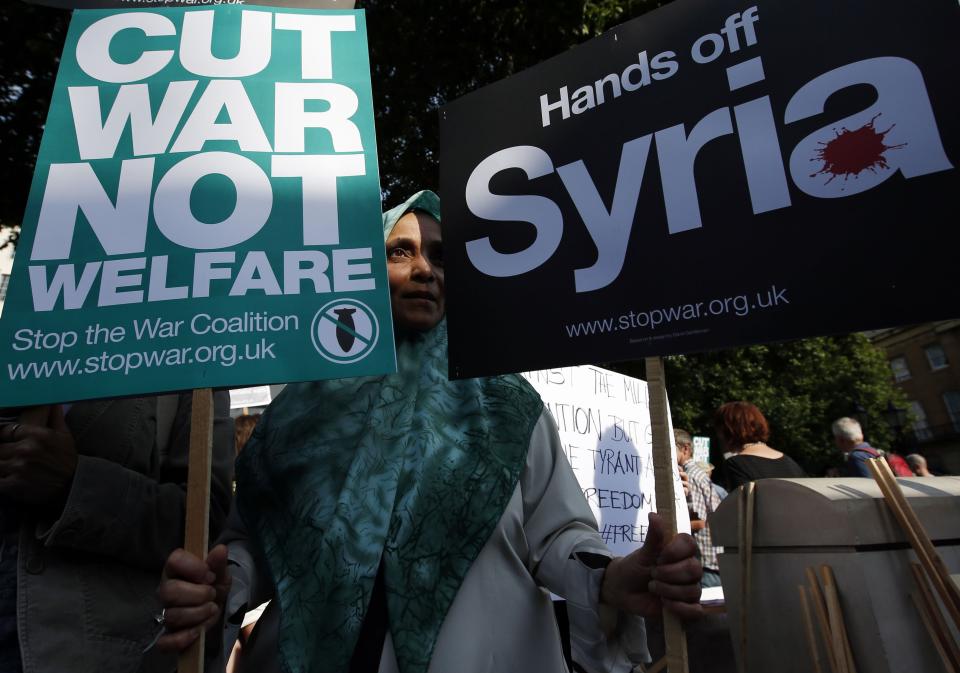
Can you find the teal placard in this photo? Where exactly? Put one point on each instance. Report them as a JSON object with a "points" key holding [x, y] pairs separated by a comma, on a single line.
{"points": [[205, 209]]}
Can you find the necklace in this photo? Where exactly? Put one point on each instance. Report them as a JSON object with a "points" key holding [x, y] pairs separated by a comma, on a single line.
{"points": [[751, 444]]}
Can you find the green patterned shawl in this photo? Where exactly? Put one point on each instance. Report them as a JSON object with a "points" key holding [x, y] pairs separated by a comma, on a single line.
{"points": [[410, 467]]}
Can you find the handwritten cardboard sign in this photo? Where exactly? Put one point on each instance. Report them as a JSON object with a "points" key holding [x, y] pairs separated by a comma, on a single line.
{"points": [[604, 423]]}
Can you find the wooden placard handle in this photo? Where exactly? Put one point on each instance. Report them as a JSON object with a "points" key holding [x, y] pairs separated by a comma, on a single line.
{"points": [[674, 635], [933, 620], [807, 615], [931, 561], [745, 516], [820, 610], [198, 503]]}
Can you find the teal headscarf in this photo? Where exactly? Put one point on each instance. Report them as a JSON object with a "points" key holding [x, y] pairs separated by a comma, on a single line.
{"points": [[424, 200], [410, 469]]}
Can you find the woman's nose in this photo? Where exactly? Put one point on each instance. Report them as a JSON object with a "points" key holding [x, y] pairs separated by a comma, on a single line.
{"points": [[422, 268]]}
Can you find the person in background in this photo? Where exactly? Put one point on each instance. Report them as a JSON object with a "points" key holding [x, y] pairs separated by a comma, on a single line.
{"points": [[708, 469], [743, 431], [918, 464], [407, 522], [848, 436], [897, 463], [243, 428], [92, 501], [704, 500]]}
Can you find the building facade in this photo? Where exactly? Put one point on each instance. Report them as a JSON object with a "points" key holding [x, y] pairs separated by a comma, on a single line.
{"points": [[925, 363]]}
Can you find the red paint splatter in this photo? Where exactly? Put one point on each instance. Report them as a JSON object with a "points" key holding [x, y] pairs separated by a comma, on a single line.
{"points": [[853, 152]]}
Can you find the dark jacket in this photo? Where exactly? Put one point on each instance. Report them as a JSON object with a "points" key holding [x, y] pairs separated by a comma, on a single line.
{"points": [[87, 580]]}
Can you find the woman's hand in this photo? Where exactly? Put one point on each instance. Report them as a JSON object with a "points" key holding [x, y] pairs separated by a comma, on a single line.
{"points": [[193, 595], [656, 576]]}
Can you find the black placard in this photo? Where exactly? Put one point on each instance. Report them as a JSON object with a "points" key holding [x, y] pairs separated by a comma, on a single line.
{"points": [[785, 170]]}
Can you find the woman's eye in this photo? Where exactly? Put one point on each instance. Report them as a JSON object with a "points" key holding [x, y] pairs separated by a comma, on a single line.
{"points": [[397, 252]]}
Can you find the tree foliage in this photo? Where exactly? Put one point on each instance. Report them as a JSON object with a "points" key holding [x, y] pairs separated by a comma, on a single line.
{"points": [[31, 39], [801, 387]]}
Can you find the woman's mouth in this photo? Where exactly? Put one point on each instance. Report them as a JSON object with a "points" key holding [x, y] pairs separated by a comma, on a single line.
{"points": [[420, 295]]}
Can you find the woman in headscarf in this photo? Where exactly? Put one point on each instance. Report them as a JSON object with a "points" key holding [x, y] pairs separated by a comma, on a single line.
{"points": [[409, 523]]}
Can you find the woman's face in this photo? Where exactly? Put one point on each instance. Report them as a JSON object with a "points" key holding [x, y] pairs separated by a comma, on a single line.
{"points": [[415, 272]]}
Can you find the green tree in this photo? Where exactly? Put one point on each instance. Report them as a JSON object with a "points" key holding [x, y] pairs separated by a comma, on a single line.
{"points": [[801, 387], [31, 39]]}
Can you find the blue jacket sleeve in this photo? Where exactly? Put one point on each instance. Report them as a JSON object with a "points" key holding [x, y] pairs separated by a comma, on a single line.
{"points": [[857, 464]]}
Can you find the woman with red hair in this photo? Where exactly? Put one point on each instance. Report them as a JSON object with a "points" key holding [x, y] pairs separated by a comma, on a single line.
{"points": [[743, 430]]}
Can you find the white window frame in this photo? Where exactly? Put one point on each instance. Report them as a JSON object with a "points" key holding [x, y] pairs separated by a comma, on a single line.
{"points": [[903, 375], [933, 366]]}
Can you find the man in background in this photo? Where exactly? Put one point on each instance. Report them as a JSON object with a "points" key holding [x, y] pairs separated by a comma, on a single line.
{"points": [[848, 436], [918, 464], [704, 500]]}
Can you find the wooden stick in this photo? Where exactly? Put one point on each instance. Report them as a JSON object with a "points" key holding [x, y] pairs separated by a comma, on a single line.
{"points": [[833, 599], [198, 503], [742, 550], [914, 529], [663, 469], [808, 630], [832, 596], [925, 617], [931, 561], [937, 627], [820, 609], [836, 635], [745, 530], [660, 665]]}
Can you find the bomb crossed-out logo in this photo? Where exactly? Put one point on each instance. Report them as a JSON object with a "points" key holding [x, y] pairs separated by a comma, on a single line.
{"points": [[344, 331]]}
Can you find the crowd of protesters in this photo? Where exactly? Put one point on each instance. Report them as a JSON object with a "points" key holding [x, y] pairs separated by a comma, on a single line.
{"points": [[94, 506], [743, 432], [384, 518], [93, 503]]}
